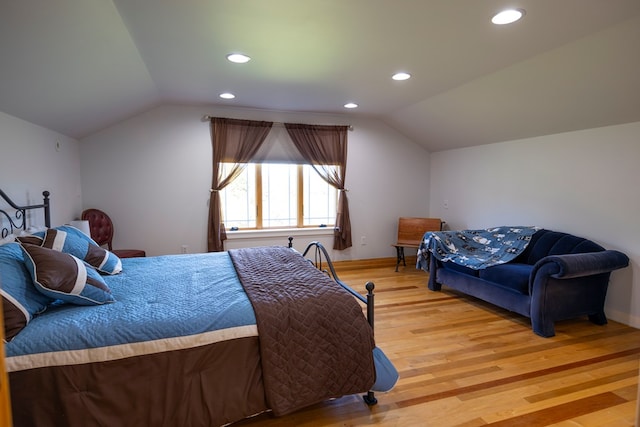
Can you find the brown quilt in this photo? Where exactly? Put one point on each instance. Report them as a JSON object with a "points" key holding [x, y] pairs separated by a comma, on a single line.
{"points": [[315, 342]]}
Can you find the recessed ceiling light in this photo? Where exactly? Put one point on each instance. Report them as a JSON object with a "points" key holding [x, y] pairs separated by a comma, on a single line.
{"points": [[350, 105], [401, 76], [227, 95], [238, 58], [507, 16]]}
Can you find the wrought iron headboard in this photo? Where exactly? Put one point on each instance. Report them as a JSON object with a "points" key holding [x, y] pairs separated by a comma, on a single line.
{"points": [[18, 220]]}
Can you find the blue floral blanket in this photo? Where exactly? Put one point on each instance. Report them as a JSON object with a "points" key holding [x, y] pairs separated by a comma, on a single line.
{"points": [[476, 249]]}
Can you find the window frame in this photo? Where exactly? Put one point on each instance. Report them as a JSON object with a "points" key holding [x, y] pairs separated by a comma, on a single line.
{"points": [[300, 202]]}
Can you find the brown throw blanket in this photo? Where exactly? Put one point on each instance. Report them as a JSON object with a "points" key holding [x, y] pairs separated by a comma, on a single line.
{"points": [[315, 342]]}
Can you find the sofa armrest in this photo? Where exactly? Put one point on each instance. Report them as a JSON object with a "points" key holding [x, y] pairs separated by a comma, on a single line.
{"points": [[578, 265]]}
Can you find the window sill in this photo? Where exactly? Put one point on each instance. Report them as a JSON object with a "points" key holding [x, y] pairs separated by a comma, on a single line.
{"points": [[280, 232]]}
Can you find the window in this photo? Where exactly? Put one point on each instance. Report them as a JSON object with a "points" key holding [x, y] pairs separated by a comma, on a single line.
{"points": [[320, 199], [279, 196], [238, 199], [273, 195]]}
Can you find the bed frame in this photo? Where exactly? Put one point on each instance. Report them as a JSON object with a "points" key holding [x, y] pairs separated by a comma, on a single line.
{"points": [[18, 219]]}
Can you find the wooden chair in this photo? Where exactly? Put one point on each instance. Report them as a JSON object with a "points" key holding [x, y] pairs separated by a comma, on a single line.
{"points": [[410, 233], [101, 228]]}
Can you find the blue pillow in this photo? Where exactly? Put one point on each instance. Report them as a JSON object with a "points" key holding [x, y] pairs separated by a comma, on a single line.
{"points": [[62, 276], [70, 240], [20, 299]]}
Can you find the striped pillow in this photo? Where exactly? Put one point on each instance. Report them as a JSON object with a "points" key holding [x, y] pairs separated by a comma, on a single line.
{"points": [[70, 240], [20, 299], [62, 276]]}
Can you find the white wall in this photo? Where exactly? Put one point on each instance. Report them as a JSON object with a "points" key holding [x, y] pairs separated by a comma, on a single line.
{"points": [[152, 174], [584, 183], [31, 162]]}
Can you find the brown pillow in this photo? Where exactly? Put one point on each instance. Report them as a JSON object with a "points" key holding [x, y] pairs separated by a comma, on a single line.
{"points": [[62, 276], [20, 299]]}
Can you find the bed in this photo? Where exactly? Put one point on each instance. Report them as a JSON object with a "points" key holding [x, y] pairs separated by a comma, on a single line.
{"points": [[190, 340]]}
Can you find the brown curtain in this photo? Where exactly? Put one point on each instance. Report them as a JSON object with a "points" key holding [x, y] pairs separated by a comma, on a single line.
{"points": [[234, 141], [325, 148]]}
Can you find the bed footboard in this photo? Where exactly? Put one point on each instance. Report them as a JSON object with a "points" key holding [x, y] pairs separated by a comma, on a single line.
{"points": [[317, 254]]}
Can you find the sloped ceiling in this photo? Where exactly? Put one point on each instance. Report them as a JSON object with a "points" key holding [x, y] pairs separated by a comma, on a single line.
{"points": [[76, 66]]}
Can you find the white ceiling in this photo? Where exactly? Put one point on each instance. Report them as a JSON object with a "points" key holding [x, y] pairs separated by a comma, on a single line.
{"points": [[76, 66]]}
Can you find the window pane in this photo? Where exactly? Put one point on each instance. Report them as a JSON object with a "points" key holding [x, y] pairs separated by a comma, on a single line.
{"points": [[320, 199], [279, 195], [239, 199]]}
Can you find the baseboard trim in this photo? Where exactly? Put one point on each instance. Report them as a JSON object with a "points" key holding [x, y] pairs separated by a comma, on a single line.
{"points": [[355, 264]]}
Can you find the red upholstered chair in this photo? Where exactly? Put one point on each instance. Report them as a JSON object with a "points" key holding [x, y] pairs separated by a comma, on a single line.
{"points": [[101, 229]]}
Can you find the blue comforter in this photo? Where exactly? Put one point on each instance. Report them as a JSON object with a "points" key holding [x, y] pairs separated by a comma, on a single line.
{"points": [[202, 290]]}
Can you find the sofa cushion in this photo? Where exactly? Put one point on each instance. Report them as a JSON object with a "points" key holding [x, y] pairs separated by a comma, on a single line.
{"points": [[547, 242], [459, 268], [511, 275]]}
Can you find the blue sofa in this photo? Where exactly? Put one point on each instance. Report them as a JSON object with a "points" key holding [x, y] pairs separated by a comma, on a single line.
{"points": [[558, 276]]}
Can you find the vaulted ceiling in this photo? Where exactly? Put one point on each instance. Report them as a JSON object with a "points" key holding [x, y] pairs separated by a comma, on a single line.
{"points": [[76, 66]]}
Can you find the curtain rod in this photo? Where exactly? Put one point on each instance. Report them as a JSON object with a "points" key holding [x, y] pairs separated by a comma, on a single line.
{"points": [[207, 117]]}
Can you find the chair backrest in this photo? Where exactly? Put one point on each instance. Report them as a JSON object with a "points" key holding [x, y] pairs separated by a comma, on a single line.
{"points": [[100, 226], [411, 230]]}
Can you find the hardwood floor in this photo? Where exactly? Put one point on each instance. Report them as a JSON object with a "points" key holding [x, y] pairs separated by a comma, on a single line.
{"points": [[466, 363]]}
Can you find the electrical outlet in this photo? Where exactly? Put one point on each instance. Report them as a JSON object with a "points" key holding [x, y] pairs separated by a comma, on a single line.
{"points": [[184, 249], [445, 204], [363, 240]]}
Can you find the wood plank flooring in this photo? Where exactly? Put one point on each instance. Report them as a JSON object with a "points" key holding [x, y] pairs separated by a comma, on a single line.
{"points": [[466, 363]]}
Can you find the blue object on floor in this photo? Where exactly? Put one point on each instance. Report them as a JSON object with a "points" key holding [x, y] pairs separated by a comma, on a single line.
{"points": [[386, 373]]}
